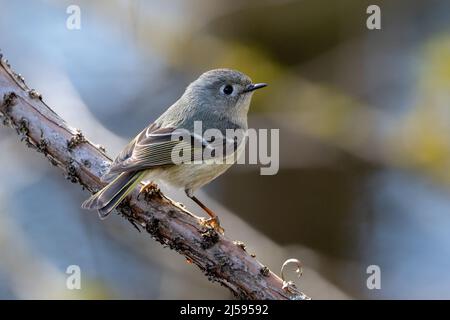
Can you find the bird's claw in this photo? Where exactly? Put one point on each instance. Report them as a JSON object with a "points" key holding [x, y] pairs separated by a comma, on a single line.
{"points": [[213, 223], [148, 189]]}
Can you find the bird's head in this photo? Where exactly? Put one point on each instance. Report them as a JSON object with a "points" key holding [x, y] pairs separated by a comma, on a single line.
{"points": [[223, 91]]}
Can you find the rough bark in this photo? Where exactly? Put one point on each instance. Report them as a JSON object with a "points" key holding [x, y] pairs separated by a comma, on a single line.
{"points": [[221, 259]]}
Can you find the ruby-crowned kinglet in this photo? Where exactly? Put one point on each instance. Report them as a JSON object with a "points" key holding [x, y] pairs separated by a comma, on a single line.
{"points": [[220, 99]]}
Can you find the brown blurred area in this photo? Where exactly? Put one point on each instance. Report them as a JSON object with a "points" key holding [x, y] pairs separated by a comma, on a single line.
{"points": [[364, 140]]}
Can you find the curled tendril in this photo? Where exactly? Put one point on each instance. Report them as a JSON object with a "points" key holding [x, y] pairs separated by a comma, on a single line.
{"points": [[298, 270], [290, 286]]}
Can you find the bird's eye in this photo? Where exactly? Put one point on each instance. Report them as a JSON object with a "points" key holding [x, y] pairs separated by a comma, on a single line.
{"points": [[228, 89]]}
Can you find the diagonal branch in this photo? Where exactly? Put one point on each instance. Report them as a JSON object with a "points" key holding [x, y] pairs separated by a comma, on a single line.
{"points": [[82, 162]]}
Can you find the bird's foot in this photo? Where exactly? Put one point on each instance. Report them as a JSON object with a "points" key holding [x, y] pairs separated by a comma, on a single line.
{"points": [[213, 223], [148, 189]]}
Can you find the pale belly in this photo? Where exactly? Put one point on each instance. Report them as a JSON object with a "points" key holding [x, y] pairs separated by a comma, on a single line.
{"points": [[190, 176]]}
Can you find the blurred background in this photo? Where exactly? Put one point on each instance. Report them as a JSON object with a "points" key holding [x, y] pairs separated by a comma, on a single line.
{"points": [[364, 119]]}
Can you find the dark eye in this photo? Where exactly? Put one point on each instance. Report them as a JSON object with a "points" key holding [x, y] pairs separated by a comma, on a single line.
{"points": [[228, 89]]}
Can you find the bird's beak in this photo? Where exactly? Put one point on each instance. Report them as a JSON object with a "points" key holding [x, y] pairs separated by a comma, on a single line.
{"points": [[253, 86]]}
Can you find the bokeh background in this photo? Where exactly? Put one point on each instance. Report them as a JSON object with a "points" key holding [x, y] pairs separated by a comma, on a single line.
{"points": [[364, 119]]}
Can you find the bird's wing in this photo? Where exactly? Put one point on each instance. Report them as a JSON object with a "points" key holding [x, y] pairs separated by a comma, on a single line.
{"points": [[151, 148], [127, 152], [155, 146]]}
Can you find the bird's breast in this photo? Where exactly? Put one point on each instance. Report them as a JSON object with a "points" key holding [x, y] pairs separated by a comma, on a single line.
{"points": [[194, 175]]}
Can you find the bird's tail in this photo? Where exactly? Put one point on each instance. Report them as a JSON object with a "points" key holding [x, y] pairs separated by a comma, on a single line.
{"points": [[110, 196]]}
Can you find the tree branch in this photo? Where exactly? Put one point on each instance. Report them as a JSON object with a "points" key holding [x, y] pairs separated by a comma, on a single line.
{"points": [[82, 162]]}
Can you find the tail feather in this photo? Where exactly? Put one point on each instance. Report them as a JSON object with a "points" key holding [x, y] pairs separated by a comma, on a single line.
{"points": [[110, 196]]}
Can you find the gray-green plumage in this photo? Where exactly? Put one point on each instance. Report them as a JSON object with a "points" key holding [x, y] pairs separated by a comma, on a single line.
{"points": [[149, 155]]}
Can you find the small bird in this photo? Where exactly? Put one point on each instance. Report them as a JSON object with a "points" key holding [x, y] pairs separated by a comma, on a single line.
{"points": [[220, 99]]}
